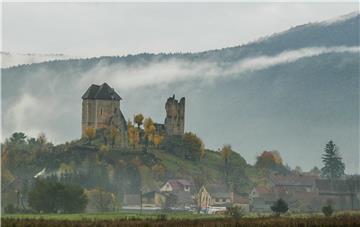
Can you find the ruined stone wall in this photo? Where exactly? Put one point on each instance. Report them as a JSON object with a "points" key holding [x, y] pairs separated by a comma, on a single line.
{"points": [[88, 117], [106, 112], [103, 114], [175, 116]]}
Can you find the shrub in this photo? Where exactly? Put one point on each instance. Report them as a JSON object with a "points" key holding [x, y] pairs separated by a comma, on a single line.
{"points": [[188, 146], [9, 209], [279, 207], [100, 200], [53, 197], [161, 217], [327, 210], [235, 212]]}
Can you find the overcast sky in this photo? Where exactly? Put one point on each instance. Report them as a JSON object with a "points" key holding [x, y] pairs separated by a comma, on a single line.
{"points": [[92, 29]]}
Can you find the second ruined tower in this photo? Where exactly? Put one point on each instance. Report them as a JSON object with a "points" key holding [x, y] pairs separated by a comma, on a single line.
{"points": [[175, 116]]}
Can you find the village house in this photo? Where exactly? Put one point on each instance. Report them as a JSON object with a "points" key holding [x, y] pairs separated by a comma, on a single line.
{"points": [[292, 183], [261, 198], [297, 190], [306, 192], [154, 199], [342, 194], [131, 201], [182, 189], [240, 201], [175, 185], [214, 195]]}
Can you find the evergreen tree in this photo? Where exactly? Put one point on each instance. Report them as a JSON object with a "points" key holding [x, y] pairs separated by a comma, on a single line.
{"points": [[52, 197], [279, 207], [333, 165]]}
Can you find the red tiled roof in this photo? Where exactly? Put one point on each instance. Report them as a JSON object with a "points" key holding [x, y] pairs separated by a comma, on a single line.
{"points": [[293, 180], [337, 186], [262, 190], [240, 199], [178, 184]]}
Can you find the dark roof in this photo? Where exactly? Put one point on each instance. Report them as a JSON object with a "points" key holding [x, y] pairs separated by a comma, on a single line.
{"points": [[240, 199], [218, 190], [266, 198], [262, 190], [337, 186], [101, 92], [280, 189], [131, 199], [183, 197], [292, 180], [179, 184], [150, 194]]}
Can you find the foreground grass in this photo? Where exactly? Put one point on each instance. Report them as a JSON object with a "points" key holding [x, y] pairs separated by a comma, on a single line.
{"points": [[112, 216], [130, 215], [339, 220], [179, 219]]}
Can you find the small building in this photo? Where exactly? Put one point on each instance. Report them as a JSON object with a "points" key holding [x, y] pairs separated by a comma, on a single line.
{"points": [[214, 195], [292, 183], [176, 185], [298, 190], [154, 199], [261, 199], [342, 194], [241, 202], [182, 189], [184, 199], [131, 201]]}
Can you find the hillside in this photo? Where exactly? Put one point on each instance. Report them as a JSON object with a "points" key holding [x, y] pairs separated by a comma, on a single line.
{"points": [[117, 169], [291, 91]]}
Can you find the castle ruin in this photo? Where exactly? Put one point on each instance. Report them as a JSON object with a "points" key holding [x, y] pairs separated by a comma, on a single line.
{"points": [[175, 114], [101, 109]]}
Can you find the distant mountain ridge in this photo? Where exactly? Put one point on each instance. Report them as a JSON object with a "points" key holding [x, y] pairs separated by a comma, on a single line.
{"points": [[337, 31], [306, 95], [17, 59]]}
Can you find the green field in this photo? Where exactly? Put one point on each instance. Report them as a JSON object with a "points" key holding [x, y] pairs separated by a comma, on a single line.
{"points": [[113, 215], [178, 219], [155, 215]]}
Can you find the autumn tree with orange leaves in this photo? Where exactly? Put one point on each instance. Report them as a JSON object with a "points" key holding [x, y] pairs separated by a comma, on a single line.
{"points": [[90, 133], [270, 160], [133, 135], [149, 129]]}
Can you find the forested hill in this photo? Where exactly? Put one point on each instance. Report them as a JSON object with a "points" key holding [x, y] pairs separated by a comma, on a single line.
{"points": [[94, 163], [292, 91]]}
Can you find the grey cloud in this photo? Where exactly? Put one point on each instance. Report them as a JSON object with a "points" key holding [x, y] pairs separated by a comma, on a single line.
{"points": [[163, 73]]}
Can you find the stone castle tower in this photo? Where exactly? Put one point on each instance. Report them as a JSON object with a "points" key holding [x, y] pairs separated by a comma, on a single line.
{"points": [[101, 109], [175, 116]]}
